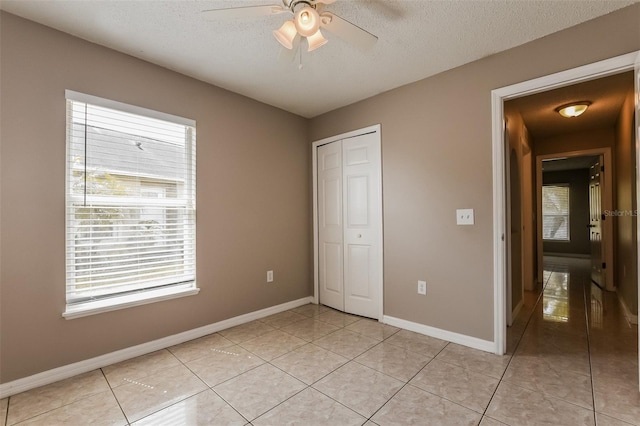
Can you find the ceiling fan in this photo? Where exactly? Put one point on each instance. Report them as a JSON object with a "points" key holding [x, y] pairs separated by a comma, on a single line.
{"points": [[309, 17]]}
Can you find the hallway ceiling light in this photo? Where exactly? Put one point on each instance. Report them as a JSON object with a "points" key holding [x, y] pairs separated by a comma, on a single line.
{"points": [[573, 109]]}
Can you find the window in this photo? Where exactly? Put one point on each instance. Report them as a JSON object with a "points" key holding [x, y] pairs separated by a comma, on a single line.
{"points": [[555, 212], [130, 200]]}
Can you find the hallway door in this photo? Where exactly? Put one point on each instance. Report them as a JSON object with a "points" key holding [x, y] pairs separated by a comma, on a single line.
{"points": [[595, 223], [349, 225]]}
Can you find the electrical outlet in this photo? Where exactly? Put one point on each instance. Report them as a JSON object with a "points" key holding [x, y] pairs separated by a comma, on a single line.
{"points": [[422, 287], [269, 276]]}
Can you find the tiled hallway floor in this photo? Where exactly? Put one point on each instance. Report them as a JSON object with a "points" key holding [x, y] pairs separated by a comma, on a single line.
{"points": [[572, 360]]}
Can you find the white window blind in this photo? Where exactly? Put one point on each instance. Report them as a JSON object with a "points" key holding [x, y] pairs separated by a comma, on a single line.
{"points": [[130, 198], [555, 212]]}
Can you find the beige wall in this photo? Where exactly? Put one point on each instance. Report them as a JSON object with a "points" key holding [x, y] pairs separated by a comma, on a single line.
{"points": [[253, 199], [436, 150], [579, 141], [626, 271]]}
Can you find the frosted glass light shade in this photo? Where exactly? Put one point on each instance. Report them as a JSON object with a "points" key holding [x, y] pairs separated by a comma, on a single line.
{"points": [[316, 40], [285, 34], [574, 109], [307, 21]]}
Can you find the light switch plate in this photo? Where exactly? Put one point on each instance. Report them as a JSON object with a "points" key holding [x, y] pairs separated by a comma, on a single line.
{"points": [[464, 217]]}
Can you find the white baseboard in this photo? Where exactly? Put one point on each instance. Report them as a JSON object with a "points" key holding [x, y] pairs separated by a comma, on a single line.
{"points": [[461, 339], [67, 371], [633, 319]]}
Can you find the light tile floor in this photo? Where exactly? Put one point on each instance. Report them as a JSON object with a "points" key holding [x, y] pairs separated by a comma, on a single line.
{"points": [[572, 360]]}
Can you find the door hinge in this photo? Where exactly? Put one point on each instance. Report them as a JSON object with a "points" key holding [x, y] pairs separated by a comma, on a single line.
{"points": [[604, 265], [602, 168], [603, 217]]}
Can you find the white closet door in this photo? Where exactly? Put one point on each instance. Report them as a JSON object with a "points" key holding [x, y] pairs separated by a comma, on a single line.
{"points": [[362, 218], [330, 229]]}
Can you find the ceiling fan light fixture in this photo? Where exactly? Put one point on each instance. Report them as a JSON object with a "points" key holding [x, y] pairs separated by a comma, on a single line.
{"points": [[307, 21], [573, 109], [316, 40], [285, 34]]}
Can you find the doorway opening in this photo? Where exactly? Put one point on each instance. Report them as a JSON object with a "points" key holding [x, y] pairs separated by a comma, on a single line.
{"points": [[583, 231], [502, 229]]}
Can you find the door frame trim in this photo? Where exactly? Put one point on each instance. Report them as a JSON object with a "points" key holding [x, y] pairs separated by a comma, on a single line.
{"points": [[314, 162], [607, 204], [587, 72]]}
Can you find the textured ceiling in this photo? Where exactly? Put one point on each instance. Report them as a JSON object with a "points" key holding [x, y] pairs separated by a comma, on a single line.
{"points": [[416, 39]]}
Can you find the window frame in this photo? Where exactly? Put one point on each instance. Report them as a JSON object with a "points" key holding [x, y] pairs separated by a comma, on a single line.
{"points": [[145, 295], [566, 186]]}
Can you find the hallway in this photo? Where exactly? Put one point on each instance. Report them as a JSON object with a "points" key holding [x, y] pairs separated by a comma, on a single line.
{"points": [[572, 343]]}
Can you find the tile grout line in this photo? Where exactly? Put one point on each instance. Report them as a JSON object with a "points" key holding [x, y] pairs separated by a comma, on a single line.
{"points": [[184, 364], [586, 317], [484, 413], [588, 347], [337, 368], [111, 389], [6, 415], [407, 383], [344, 327], [269, 362], [176, 402], [527, 327], [311, 385], [229, 404], [114, 396], [62, 405], [350, 360]]}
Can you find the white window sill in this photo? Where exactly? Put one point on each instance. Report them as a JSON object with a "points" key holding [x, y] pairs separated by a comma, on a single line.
{"points": [[112, 304]]}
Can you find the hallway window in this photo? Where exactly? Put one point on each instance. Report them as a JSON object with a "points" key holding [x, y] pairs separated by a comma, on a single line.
{"points": [[130, 205], [555, 212]]}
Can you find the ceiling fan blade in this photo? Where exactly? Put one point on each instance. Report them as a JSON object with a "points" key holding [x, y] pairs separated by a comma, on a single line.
{"points": [[243, 12], [347, 31]]}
